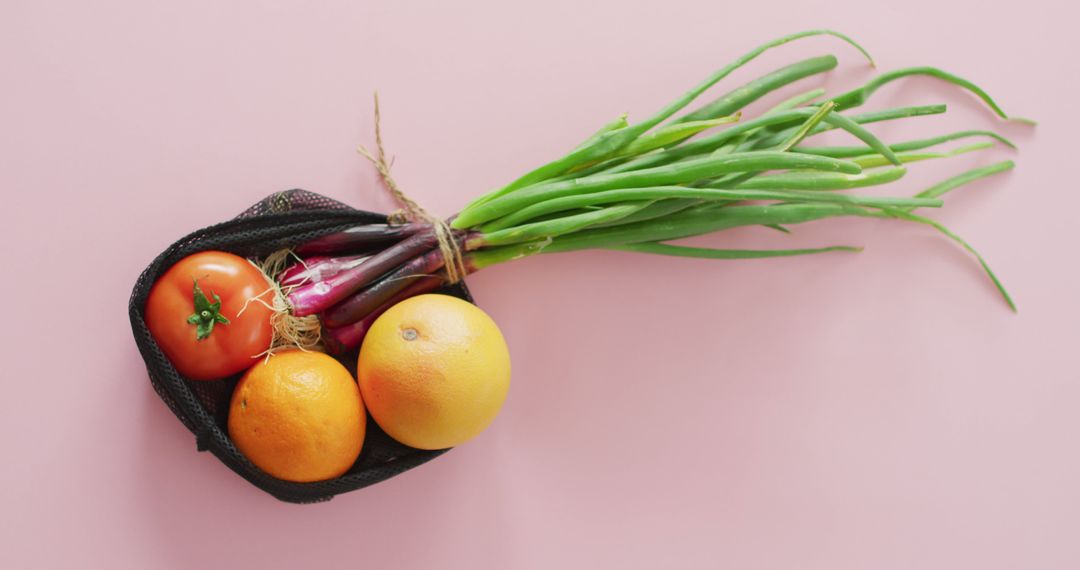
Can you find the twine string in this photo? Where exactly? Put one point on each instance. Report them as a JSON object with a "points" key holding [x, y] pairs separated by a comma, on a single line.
{"points": [[454, 263]]}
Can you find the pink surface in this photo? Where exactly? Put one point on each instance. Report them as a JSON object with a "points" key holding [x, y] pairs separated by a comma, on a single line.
{"points": [[881, 410]]}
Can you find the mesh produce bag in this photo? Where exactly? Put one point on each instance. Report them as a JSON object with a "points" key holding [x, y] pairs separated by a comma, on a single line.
{"points": [[282, 220]]}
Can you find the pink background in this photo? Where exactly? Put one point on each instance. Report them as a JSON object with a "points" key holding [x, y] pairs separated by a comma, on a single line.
{"points": [[881, 410]]}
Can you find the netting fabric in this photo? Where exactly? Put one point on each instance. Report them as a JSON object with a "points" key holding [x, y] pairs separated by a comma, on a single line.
{"points": [[284, 219]]}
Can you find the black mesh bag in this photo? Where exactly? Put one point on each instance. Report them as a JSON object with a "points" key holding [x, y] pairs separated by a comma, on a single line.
{"points": [[281, 220]]}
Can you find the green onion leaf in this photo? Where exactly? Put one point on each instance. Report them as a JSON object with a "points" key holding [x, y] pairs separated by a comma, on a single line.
{"points": [[850, 151], [754, 90], [609, 142], [858, 96], [710, 253], [676, 173]]}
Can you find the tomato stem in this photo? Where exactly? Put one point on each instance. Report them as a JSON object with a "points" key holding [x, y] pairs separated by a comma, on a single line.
{"points": [[206, 314]]}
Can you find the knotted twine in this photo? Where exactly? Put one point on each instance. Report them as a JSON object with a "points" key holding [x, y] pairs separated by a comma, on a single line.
{"points": [[411, 211], [305, 332]]}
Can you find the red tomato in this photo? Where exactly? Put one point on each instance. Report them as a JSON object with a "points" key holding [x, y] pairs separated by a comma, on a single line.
{"points": [[193, 311]]}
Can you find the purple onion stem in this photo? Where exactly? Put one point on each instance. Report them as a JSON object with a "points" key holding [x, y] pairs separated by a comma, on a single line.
{"points": [[345, 338], [320, 296], [318, 268], [367, 300], [358, 239]]}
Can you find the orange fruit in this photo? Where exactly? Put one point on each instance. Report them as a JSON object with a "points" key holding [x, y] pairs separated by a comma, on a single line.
{"points": [[298, 416], [434, 371]]}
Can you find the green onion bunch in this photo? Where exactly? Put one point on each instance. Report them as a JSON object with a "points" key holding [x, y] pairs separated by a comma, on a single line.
{"points": [[679, 173]]}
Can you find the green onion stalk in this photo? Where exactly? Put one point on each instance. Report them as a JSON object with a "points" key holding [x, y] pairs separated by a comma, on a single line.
{"points": [[679, 173]]}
